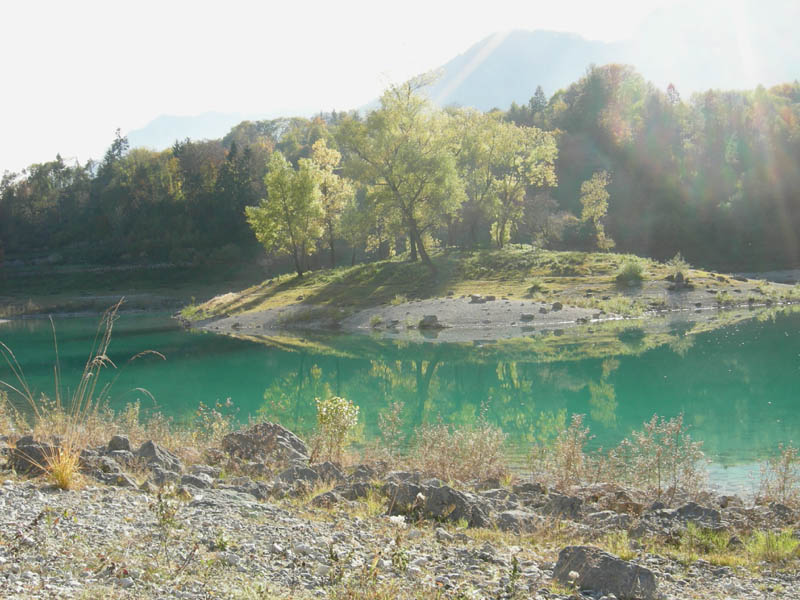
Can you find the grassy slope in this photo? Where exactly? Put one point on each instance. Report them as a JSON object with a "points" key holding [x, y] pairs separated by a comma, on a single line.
{"points": [[576, 278]]}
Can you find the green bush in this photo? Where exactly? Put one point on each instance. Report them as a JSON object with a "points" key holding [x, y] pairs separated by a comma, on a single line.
{"points": [[631, 273], [336, 419]]}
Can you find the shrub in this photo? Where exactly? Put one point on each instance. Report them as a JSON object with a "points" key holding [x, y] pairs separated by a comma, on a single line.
{"points": [[336, 419], [780, 479], [464, 453], [660, 458], [563, 460], [631, 273], [678, 266]]}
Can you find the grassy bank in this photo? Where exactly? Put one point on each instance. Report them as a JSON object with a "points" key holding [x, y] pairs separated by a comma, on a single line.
{"points": [[616, 283]]}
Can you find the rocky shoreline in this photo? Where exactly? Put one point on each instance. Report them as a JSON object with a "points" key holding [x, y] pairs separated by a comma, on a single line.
{"points": [[255, 519]]}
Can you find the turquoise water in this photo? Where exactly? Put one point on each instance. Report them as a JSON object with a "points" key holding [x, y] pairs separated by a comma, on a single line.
{"points": [[737, 386]]}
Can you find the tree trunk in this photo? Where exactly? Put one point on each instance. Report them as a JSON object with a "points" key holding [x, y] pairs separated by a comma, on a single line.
{"points": [[353, 257], [330, 244], [413, 243], [416, 239], [298, 264]]}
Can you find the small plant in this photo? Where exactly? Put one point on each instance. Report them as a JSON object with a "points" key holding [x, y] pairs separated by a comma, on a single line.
{"points": [[336, 419], [399, 557], [375, 321], [780, 477], [390, 424], [536, 287], [696, 540], [618, 542], [398, 299], [165, 508], [678, 267], [771, 546], [212, 424], [463, 453], [631, 273], [563, 459], [725, 299]]}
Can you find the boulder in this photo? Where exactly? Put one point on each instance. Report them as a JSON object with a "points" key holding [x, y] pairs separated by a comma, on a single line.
{"points": [[525, 317], [199, 480], [297, 473], [559, 505], [118, 442], [700, 515], [404, 496], [604, 573], [519, 521], [29, 456], [430, 322], [445, 503], [557, 306], [266, 441], [476, 299], [328, 471], [154, 454]]}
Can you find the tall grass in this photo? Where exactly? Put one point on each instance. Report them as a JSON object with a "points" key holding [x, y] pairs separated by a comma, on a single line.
{"points": [[67, 422]]}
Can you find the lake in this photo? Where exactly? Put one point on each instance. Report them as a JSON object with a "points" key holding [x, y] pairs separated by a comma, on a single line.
{"points": [[737, 386]]}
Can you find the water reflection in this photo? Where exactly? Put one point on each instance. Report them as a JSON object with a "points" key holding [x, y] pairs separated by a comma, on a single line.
{"points": [[735, 385]]}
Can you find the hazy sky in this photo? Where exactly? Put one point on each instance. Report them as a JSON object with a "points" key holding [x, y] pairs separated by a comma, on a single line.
{"points": [[76, 70]]}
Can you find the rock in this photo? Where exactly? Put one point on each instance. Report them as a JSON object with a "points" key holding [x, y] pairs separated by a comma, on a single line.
{"points": [[608, 519], [476, 299], [29, 456], [543, 311], [404, 497], [701, 515], [154, 454], [445, 503], [604, 573], [327, 500], [490, 298], [212, 472], [122, 456], [444, 536], [199, 480], [430, 322], [106, 464], [363, 473], [518, 521], [557, 306], [563, 506], [296, 473], [162, 476], [328, 471], [353, 491], [266, 442], [118, 442], [528, 487], [525, 317]]}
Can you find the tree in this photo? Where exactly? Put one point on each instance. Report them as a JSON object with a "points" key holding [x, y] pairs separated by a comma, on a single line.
{"points": [[594, 199], [402, 153], [335, 191], [499, 162], [289, 219]]}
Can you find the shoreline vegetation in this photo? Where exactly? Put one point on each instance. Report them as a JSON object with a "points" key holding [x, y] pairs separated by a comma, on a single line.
{"points": [[443, 516], [482, 296]]}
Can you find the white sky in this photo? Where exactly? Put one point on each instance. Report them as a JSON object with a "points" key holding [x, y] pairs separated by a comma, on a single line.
{"points": [[74, 71]]}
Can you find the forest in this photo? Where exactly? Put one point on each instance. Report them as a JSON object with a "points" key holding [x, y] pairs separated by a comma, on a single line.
{"points": [[608, 162]]}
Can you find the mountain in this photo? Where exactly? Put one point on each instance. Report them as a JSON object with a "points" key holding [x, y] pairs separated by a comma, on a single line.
{"points": [[164, 130], [507, 67]]}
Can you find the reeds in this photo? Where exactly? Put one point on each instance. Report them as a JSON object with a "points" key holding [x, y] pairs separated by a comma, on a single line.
{"points": [[68, 421]]}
